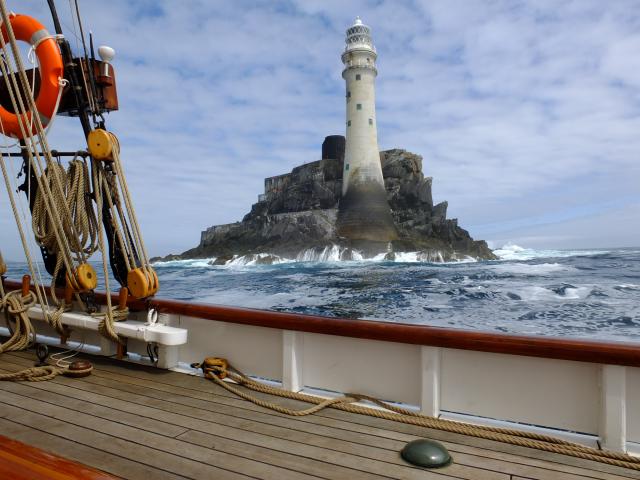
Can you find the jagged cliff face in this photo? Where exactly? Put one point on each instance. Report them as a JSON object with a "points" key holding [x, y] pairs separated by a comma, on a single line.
{"points": [[298, 211]]}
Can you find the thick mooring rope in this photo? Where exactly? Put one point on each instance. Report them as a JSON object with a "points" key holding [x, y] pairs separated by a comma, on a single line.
{"points": [[391, 412]]}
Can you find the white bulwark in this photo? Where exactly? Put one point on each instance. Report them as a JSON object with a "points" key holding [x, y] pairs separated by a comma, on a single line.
{"points": [[362, 158]]}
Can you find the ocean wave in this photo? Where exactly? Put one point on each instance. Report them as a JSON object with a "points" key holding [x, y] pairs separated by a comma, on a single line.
{"points": [[534, 269], [333, 254], [539, 294], [511, 251], [195, 262]]}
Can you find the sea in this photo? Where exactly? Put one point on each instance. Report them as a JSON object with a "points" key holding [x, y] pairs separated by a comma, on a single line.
{"points": [[562, 293]]}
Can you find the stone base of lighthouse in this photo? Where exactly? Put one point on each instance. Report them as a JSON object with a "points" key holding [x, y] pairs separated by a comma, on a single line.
{"points": [[364, 214]]}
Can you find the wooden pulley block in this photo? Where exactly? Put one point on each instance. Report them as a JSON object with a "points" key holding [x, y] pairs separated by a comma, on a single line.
{"points": [[101, 144], [84, 278], [142, 283], [138, 283]]}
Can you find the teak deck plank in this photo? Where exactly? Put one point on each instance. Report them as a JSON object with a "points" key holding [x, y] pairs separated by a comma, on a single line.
{"points": [[303, 461], [182, 426], [215, 459], [304, 439], [153, 379], [373, 453], [88, 455]]}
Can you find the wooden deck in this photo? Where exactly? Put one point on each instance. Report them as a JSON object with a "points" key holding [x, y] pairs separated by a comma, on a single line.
{"points": [[141, 423]]}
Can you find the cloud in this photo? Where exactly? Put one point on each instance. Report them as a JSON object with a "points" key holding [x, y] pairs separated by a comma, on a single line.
{"points": [[520, 109]]}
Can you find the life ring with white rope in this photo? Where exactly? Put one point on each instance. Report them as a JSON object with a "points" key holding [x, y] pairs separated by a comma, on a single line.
{"points": [[28, 29]]}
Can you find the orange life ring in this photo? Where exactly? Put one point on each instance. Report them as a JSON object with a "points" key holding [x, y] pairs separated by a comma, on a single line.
{"points": [[29, 30]]}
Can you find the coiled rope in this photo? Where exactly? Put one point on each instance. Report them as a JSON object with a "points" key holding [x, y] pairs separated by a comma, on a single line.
{"points": [[17, 306], [391, 412]]}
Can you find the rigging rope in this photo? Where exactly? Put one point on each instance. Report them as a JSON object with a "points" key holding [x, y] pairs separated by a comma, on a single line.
{"points": [[63, 218], [25, 120]]}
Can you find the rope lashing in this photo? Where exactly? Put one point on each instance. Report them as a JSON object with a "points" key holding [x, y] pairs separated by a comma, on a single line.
{"points": [[216, 369], [17, 306]]}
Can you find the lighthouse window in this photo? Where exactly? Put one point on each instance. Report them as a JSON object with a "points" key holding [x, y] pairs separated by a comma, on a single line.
{"points": [[358, 76], [358, 106], [346, 167], [370, 121], [349, 123]]}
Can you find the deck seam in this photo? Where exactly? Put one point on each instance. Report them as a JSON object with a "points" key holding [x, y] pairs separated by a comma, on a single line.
{"points": [[275, 465], [248, 444], [144, 445], [358, 455]]}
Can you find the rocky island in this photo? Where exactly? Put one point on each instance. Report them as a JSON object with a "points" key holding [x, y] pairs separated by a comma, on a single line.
{"points": [[296, 217], [355, 202]]}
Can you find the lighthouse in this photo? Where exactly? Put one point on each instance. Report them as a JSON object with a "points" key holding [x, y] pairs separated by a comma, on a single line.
{"points": [[363, 212]]}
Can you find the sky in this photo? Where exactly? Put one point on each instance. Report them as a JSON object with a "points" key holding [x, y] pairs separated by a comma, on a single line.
{"points": [[527, 113]]}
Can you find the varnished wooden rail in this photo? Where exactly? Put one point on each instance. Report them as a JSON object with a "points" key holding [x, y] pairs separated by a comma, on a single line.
{"points": [[582, 350], [19, 461]]}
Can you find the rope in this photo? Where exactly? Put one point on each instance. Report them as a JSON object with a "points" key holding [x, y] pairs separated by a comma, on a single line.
{"points": [[397, 414], [81, 226], [17, 307], [32, 151], [33, 374], [106, 327], [23, 334], [72, 236]]}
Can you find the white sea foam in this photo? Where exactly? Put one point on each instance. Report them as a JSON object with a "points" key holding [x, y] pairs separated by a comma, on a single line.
{"points": [[531, 269], [511, 251], [334, 253], [537, 294], [256, 259], [197, 262]]}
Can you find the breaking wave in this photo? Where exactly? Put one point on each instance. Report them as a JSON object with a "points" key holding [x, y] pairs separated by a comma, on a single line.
{"points": [[511, 251], [335, 253]]}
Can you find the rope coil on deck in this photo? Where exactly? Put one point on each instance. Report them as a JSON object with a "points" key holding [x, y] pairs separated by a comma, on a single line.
{"points": [[216, 369]]}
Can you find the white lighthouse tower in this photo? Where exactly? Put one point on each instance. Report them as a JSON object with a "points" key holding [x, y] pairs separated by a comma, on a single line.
{"points": [[364, 212]]}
